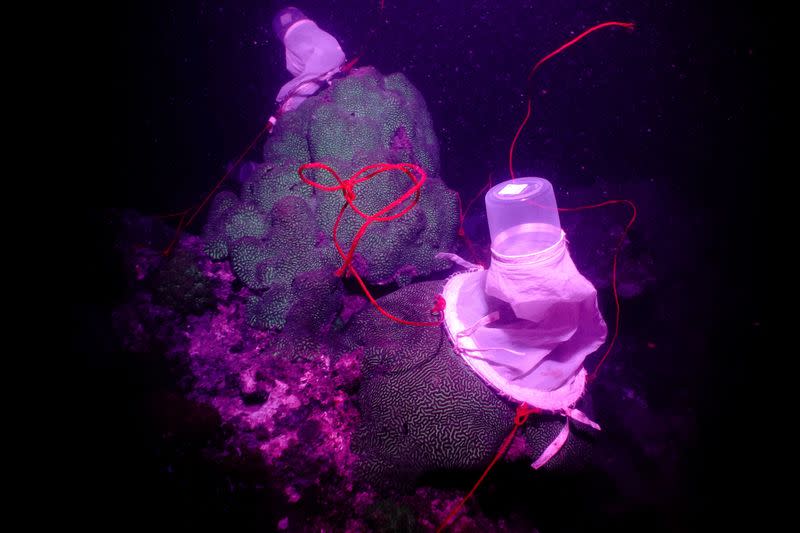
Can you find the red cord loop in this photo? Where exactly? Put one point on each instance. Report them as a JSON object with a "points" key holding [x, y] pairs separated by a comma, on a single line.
{"points": [[391, 211]]}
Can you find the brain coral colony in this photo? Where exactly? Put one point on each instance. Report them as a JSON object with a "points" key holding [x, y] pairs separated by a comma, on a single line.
{"points": [[348, 411]]}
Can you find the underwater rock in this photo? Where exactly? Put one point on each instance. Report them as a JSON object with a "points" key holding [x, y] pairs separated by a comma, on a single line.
{"points": [[279, 228], [422, 408]]}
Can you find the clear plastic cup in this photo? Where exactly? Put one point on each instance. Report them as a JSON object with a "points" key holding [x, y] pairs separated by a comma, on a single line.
{"points": [[523, 216]]}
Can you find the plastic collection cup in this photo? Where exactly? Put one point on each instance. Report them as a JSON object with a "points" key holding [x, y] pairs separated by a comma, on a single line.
{"points": [[523, 216]]}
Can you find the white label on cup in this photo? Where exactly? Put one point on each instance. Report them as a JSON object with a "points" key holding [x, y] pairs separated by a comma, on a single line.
{"points": [[511, 189]]}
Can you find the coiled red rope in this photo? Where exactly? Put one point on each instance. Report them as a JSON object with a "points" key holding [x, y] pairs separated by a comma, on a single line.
{"points": [[410, 198]]}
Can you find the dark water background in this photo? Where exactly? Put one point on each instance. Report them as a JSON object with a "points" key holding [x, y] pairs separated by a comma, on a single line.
{"points": [[680, 103]]}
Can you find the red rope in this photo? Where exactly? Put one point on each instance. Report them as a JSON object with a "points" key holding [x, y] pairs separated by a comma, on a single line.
{"points": [[621, 241], [542, 61], [523, 410], [417, 177], [514, 142], [521, 416], [536, 67]]}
